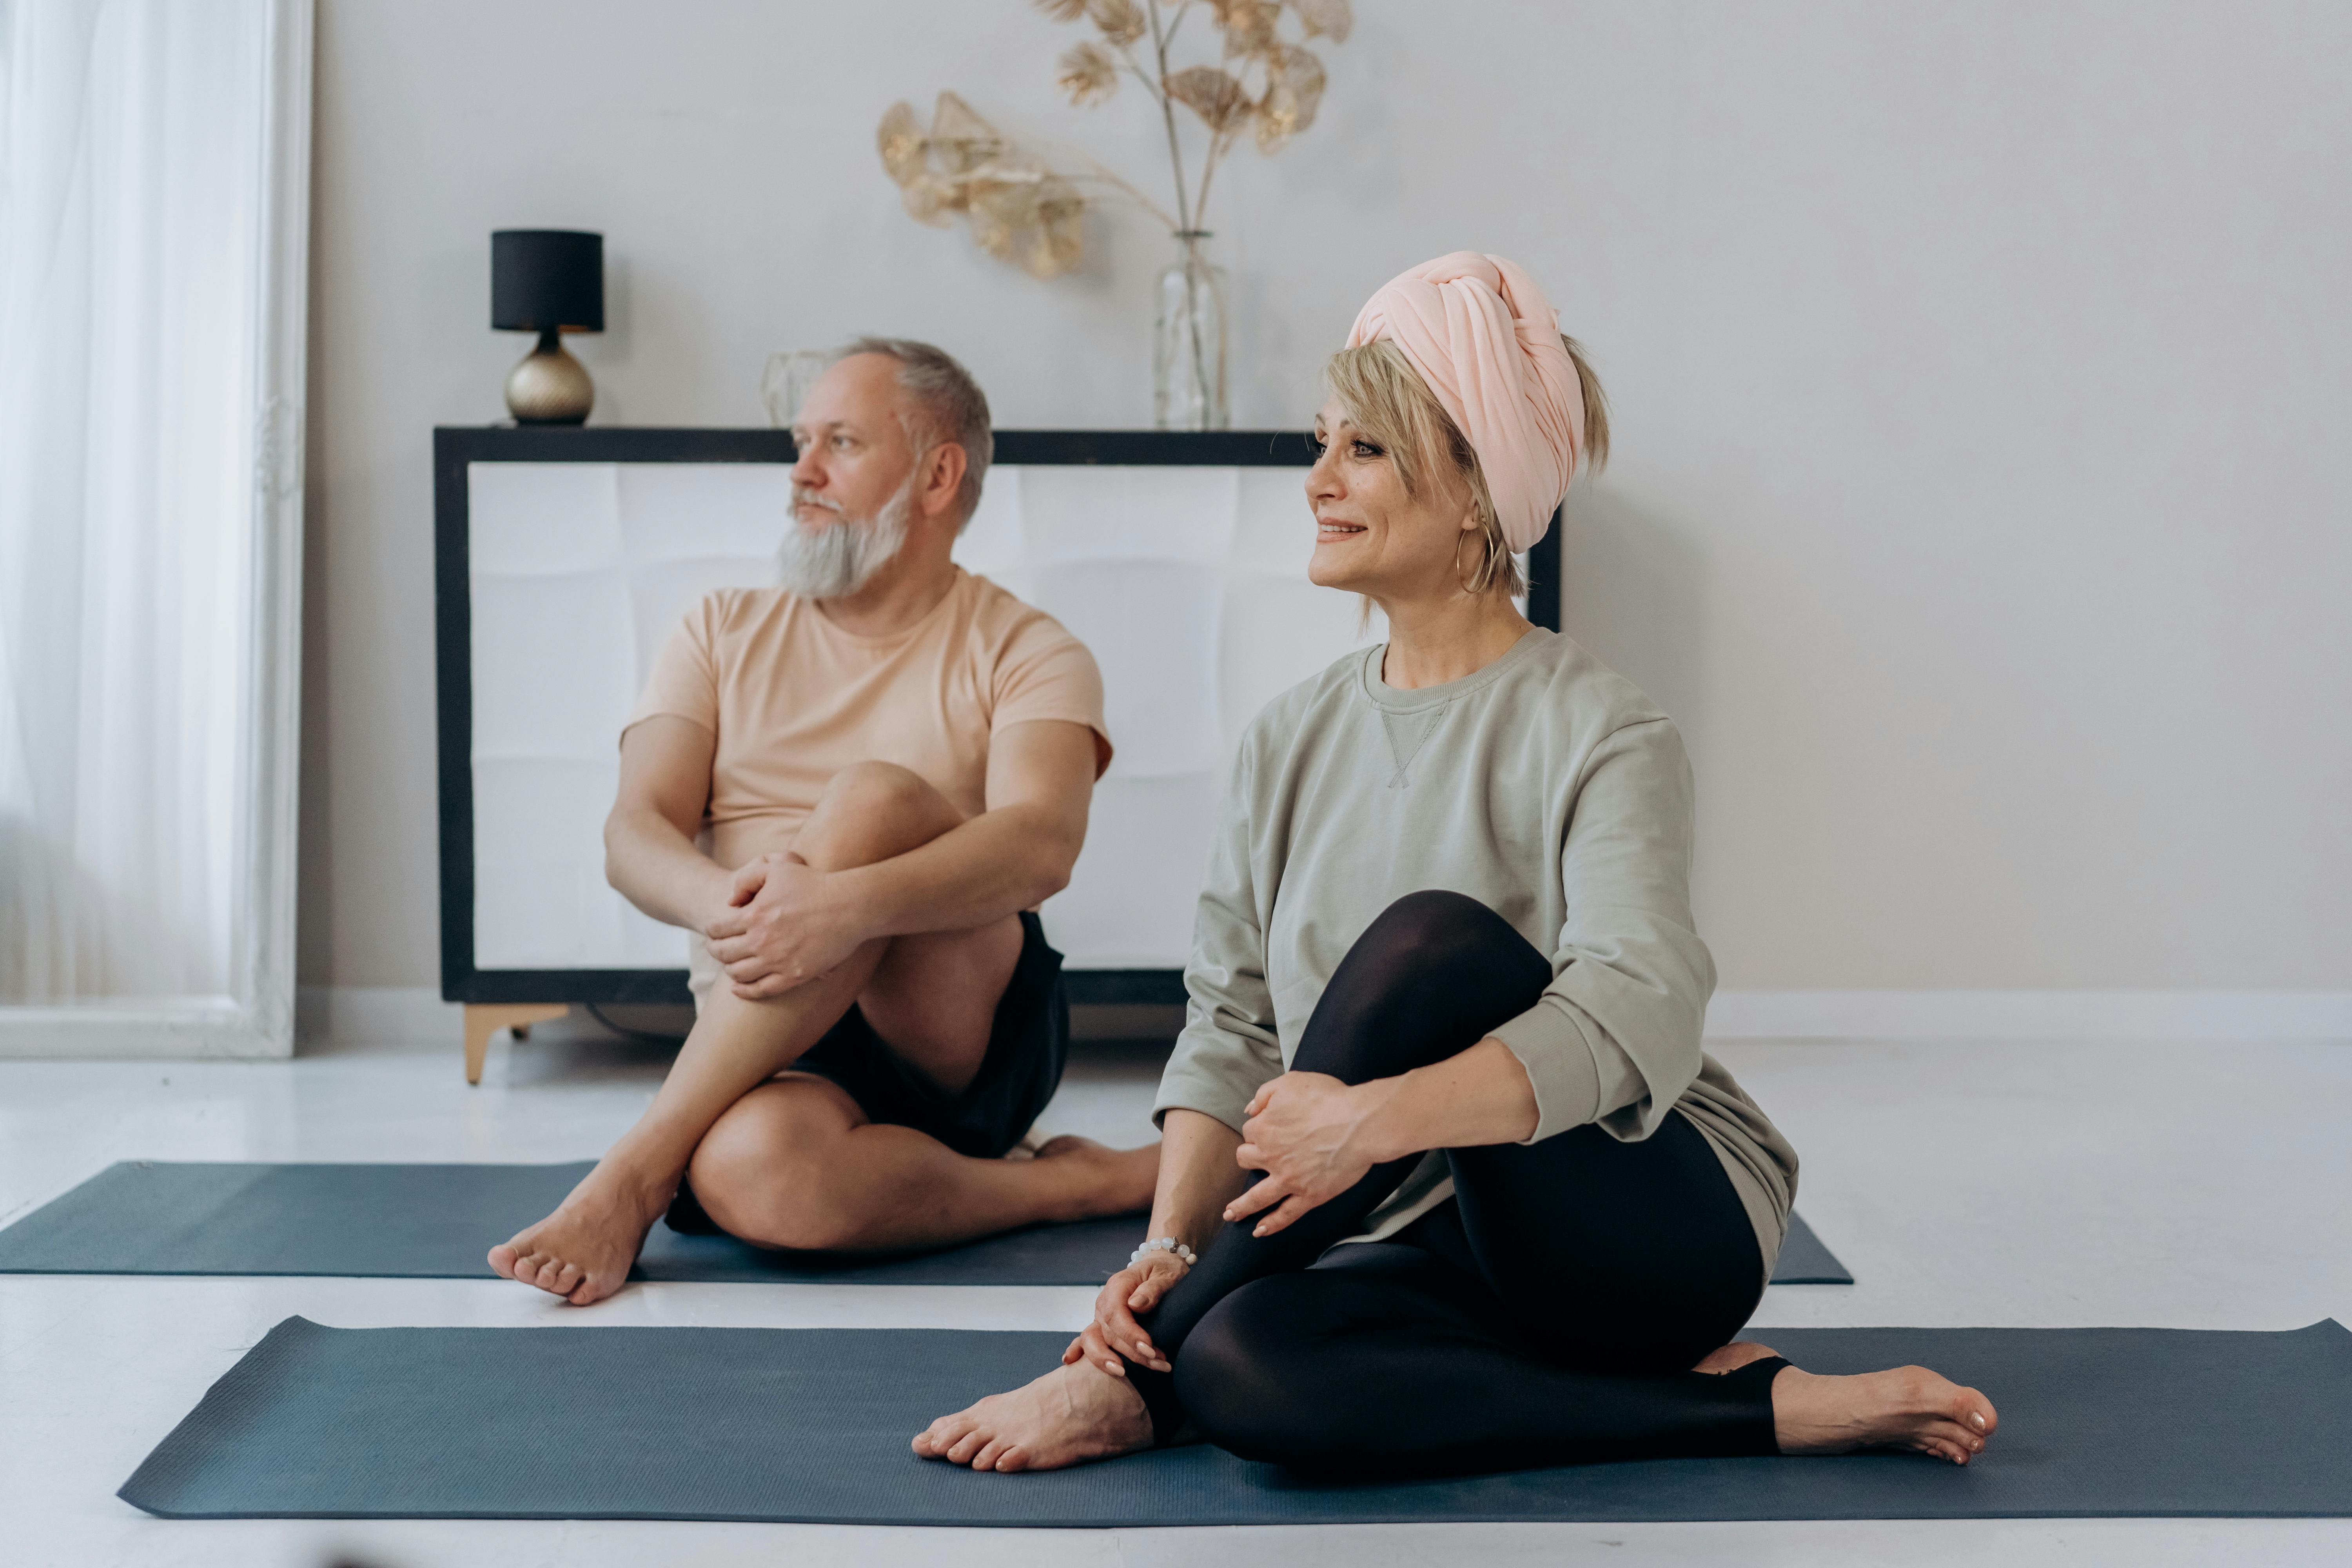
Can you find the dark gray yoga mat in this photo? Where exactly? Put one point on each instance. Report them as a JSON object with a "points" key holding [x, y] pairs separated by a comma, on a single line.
{"points": [[811, 1426], [436, 1222]]}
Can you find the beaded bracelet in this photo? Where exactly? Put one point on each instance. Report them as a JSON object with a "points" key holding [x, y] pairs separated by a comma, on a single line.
{"points": [[1163, 1244]]}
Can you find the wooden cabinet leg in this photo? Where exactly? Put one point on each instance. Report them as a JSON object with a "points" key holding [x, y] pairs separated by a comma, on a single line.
{"points": [[487, 1018]]}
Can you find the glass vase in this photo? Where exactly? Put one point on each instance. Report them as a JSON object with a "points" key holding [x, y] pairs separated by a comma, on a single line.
{"points": [[1187, 341]]}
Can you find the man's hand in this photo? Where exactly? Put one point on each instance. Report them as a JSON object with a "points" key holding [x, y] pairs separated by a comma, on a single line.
{"points": [[781, 928], [1314, 1137]]}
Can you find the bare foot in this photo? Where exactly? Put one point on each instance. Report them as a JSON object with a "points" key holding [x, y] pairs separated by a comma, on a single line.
{"points": [[1906, 1407], [1734, 1356], [582, 1251], [1114, 1180], [1068, 1416]]}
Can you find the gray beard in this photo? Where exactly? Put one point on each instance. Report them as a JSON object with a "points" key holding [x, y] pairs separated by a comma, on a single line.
{"points": [[836, 562]]}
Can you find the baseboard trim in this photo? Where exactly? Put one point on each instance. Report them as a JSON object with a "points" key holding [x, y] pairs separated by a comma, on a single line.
{"points": [[377, 1015], [2053, 1015]]}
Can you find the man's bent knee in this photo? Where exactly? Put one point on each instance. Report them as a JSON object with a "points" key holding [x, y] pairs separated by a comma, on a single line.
{"points": [[768, 1170], [873, 811]]}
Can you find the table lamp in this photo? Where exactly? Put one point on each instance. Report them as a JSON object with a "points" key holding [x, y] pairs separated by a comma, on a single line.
{"points": [[548, 281]]}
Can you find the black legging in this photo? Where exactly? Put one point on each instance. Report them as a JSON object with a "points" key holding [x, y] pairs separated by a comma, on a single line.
{"points": [[1548, 1314]]}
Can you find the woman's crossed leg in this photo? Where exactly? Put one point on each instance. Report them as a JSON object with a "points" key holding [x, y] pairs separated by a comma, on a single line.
{"points": [[1570, 1304]]}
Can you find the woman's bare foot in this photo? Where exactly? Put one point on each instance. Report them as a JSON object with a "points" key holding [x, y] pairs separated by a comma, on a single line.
{"points": [[1068, 1416], [1734, 1356], [584, 1250], [1114, 1180], [1906, 1407]]}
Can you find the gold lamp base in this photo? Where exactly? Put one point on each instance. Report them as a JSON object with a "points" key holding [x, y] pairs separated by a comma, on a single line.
{"points": [[549, 387]]}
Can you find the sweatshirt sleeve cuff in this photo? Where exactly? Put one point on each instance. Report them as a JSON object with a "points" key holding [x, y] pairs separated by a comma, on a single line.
{"points": [[1559, 1066], [1220, 1089]]}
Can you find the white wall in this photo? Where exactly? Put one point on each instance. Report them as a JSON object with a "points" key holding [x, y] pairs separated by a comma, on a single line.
{"points": [[1978, 377]]}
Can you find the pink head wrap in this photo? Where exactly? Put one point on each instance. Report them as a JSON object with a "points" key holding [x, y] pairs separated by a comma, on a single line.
{"points": [[1487, 343]]}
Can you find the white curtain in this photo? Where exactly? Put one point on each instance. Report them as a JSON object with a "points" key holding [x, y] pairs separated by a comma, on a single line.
{"points": [[133, 244]]}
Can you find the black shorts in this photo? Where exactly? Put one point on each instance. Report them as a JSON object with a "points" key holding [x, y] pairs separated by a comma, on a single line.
{"points": [[1027, 1044]]}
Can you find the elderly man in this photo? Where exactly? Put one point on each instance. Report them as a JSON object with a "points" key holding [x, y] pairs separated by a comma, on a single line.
{"points": [[891, 761]]}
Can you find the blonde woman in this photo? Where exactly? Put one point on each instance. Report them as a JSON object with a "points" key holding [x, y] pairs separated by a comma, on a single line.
{"points": [[1448, 1184]]}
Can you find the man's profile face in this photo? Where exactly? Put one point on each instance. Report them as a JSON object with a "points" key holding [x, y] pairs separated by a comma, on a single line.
{"points": [[854, 453]]}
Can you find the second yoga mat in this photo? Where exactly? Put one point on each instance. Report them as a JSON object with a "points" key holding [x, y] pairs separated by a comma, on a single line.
{"points": [[436, 1222], [811, 1426]]}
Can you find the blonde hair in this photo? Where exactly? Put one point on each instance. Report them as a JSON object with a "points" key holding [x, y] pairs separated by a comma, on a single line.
{"points": [[1385, 398]]}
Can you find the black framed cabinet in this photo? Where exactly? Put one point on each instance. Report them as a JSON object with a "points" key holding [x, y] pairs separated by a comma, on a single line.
{"points": [[565, 557]]}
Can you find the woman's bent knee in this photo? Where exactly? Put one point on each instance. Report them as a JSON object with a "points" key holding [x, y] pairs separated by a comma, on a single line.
{"points": [[1435, 924]]}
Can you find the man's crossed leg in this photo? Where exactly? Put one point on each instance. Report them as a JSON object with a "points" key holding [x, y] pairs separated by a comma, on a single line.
{"points": [[791, 1159]]}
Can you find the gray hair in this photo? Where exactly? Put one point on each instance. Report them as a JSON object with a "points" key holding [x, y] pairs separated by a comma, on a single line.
{"points": [[940, 404]]}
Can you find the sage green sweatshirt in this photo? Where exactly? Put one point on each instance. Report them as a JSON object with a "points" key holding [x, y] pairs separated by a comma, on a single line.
{"points": [[1549, 789]]}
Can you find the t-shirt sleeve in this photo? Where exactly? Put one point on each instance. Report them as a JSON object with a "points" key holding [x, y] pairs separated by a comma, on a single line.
{"points": [[1614, 1039], [1046, 673], [683, 683]]}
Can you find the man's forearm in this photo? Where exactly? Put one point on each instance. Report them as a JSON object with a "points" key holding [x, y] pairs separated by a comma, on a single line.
{"points": [[992, 866], [657, 869]]}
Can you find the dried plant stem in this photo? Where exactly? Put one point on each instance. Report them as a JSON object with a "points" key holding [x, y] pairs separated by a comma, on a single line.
{"points": [[1108, 178], [1160, 37]]}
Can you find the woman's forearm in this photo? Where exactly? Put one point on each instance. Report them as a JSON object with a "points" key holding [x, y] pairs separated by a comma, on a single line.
{"points": [[1198, 1177], [1481, 1096]]}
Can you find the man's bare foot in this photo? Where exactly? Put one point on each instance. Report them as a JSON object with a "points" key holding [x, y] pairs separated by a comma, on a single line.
{"points": [[1068, 1416], [1734, 1356], [1117, 1180], [582, 1251], [1906, 1407]]}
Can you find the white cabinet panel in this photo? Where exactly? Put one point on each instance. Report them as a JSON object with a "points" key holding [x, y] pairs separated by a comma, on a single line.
{"points": [[991, 541], [673, 511], [1153, 627], [1189, 584], [539, 901], [541, 518], [1274, 528], [1085, 512], [1130, 901], [554, 663]]}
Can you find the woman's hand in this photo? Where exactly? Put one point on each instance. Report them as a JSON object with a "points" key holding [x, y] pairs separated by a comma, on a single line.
{"points": [[1311, 1135], [1137, 1288]]}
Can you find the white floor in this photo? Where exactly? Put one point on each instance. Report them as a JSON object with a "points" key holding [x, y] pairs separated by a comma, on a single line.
{"points": [[2190, 1186]]}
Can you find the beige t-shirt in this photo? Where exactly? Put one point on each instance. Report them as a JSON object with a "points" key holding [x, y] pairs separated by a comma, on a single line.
{"points": [[793, 699]]}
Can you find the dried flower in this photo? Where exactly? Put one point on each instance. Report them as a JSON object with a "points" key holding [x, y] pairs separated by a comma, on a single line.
{"points": [[929, 199], [1325, 18], [1294, 90], [1215, 97], [962, 139], [901, 140], [1121, 21], [1249, 24], [1018, 208], [1088, 74], [1022, 210], [1058, 243]]}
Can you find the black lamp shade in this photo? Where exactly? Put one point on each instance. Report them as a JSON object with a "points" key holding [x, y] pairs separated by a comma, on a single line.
{"points": [[545, 279]]}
